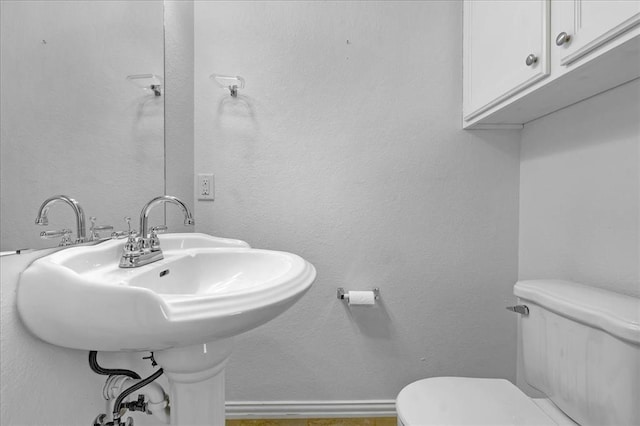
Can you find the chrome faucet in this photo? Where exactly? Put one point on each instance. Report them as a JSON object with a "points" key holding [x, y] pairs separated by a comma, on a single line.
{"points": [[144, 214], [43, 220], [145, 248]]}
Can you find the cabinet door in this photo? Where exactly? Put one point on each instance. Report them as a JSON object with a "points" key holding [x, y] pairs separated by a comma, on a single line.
{"points": [[590, 24], [499, 36]]}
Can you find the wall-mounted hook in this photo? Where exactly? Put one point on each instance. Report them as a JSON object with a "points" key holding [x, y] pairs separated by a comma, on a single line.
{"points": [[147, 82], [233, 83]]}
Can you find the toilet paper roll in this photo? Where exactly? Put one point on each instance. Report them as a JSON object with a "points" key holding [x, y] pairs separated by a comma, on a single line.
{"points": [[361, 298]]}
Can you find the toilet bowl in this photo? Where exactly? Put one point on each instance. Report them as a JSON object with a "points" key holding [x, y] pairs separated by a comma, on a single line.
{"points": [[580, 347], [471, 401]]}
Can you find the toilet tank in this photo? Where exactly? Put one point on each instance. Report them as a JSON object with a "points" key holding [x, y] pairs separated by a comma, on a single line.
{"points": [[581, 348]]}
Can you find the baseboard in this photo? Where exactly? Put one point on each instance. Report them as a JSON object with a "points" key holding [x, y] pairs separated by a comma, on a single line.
{"points": [[309, 409]]}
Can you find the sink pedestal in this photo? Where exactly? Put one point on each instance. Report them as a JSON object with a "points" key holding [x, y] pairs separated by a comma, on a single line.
{"points": [[196, 382]]}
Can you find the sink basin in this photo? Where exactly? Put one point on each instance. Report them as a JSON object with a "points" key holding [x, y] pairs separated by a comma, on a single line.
{"points": [[205, 289], [178, 241]]}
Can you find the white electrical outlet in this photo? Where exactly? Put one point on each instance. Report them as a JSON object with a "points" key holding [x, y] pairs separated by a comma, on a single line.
{"points": [[206, 187]]}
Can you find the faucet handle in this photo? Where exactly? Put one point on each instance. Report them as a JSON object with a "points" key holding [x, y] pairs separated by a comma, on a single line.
{"points": [[94, 229], [132, 245], [64, 233], [130, 233], [45, 235], [154, 241], [119, 234], [160, 229]]}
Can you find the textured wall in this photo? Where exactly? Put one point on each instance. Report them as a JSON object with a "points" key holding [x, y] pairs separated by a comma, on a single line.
{"points": [[580, 193], [178, 124], [71, 123], [346, 148]]}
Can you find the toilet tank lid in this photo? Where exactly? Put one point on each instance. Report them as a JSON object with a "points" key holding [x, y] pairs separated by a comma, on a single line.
{"points": [[615, 313]]}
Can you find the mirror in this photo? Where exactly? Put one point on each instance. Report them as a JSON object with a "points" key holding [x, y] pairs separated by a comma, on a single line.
{"points": [[71, 121]]}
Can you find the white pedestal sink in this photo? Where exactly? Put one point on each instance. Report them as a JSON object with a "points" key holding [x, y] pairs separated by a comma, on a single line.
{"points": [[186, 308]]}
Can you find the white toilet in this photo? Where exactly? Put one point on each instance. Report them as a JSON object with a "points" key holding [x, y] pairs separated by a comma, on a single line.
{"points": [[580, 348]]}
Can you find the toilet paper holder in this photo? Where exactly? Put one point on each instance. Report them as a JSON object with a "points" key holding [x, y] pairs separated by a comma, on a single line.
{"points": [[344, 295]]}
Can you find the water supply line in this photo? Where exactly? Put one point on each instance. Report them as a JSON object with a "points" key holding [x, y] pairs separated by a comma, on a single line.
{"points": [[96, 368], [152, 400], [119, 409]]}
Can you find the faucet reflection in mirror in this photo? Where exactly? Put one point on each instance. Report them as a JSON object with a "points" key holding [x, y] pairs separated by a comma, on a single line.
{"points": [[145, 248], [43, 220]]}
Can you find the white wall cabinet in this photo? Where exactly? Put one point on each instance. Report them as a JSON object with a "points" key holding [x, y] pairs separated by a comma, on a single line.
{"points": [[505, 50], [525, 59]]}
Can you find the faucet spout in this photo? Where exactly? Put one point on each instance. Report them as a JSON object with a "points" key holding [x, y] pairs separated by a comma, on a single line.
{"points": [[42, 218], [145, 248], [144, 214]]}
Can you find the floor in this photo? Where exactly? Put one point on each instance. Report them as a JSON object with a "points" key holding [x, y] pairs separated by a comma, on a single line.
{"points": [[377, 421]]}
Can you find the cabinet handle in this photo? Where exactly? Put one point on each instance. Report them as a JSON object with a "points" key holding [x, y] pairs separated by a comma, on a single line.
{"points": [[562, 39], [531, 59]]}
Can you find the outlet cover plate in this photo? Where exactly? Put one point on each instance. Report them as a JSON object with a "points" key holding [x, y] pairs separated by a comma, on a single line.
{"points": [[205, 187]]}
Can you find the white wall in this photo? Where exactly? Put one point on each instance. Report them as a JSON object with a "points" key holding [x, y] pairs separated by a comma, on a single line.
{"points": [[70, 121], [345, 147], [580, 193], [178, 121]]}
